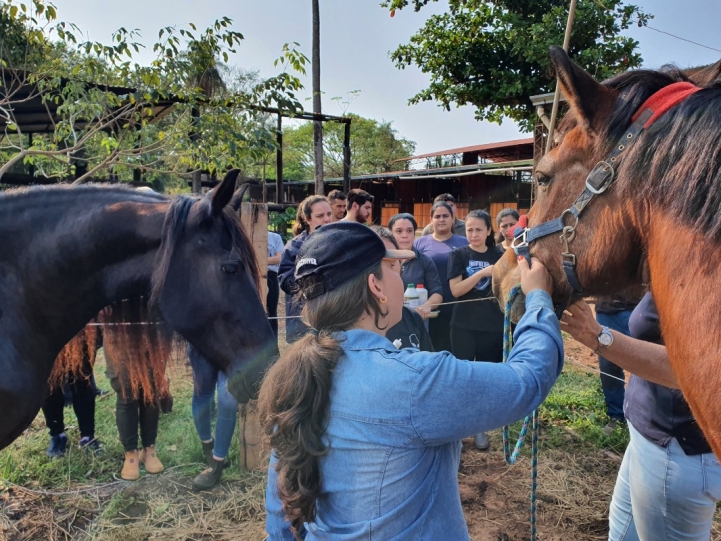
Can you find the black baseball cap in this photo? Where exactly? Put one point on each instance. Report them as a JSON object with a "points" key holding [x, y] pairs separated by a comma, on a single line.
{"points": [[338, 252]]}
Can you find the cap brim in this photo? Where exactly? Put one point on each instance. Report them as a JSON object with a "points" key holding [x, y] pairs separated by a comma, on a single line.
{"points": [[399, 254]]}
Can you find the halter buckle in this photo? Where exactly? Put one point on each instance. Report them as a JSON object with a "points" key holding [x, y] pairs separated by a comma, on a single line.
{"points": [[523, 236], [600, 177]]}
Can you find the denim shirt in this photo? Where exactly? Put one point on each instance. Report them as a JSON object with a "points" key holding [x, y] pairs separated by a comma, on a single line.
{"points": [[396, 421]]}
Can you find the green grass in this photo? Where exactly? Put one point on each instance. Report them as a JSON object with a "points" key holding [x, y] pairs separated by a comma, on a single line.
{"points": [[573, 416], [24, 462], [576, 407]]}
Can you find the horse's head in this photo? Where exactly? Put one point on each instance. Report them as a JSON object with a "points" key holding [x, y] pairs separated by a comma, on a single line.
{"points": [[206, 287], [606, 238]]}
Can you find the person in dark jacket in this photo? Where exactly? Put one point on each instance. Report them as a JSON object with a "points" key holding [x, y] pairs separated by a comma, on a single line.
{"points": [[670, 480], [313, 212], [419, 270]]}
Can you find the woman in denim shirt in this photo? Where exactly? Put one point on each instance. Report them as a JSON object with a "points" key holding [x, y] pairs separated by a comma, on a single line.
{"points": [[366, 438]]}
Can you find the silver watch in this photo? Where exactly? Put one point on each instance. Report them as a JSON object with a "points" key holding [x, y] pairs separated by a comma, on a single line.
{"points": [[605, 339]]}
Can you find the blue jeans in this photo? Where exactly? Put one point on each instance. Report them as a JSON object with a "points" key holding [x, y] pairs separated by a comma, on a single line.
{"points": [[662, 494], [613, 389], [206, 378]]}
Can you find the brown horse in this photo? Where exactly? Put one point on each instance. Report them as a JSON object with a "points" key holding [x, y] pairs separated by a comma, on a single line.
{"points": [[658, 217]]}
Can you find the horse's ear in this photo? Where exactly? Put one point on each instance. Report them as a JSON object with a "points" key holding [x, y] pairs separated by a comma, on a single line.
{"points": [[705, 76], [223, 193], [583, 93]]}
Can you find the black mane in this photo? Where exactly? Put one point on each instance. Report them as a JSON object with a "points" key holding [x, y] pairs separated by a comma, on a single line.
{"points": [[676, 162]]}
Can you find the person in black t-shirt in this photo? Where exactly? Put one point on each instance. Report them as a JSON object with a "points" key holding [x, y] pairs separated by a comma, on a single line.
{"points": [[410, 331], [476, 327]]}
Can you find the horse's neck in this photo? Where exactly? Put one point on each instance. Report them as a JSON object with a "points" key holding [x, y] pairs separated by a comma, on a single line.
{"points": [[72, 254], [684, 279]]}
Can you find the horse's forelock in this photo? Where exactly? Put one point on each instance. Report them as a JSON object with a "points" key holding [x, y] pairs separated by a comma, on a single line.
{"points": [[174, 225]]}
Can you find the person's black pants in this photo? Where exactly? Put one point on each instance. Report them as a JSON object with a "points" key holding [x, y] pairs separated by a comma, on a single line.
{"points": [[477, 345], [83, 396], [131, 413], [440, 329], [271, 301]]}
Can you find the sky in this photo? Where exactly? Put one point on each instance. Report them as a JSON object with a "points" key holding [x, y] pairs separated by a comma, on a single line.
{"points": [[356, 39]]}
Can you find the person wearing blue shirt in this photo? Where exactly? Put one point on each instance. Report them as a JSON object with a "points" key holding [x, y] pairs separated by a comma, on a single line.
{"points": [[366, 437], [275, 252], [438, 246]]}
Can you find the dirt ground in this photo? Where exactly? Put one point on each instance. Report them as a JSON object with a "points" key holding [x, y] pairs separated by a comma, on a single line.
{"points": [[574, 491]]}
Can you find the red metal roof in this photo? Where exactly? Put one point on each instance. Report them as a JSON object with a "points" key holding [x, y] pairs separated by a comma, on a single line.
{"points": [[488, 148]]}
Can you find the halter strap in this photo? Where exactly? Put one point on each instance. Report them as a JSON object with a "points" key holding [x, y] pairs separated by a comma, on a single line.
{"points": [[597, 182], [661, 101]]}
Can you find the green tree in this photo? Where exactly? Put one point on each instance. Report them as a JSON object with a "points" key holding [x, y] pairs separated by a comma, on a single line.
{"points": [[494, 54], [374, 147], [105, 131]]}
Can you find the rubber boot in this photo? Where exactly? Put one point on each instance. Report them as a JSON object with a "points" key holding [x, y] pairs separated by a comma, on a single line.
{"points": [[131, 467], [210, 476], [150, 460], [208, 452]]}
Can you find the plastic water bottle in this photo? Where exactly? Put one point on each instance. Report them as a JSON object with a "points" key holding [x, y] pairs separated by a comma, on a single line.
{"points": [[422, 294], [410, 297]]}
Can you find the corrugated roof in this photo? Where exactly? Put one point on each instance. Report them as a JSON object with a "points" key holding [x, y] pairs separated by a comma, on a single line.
{"points": [[505, 145]]}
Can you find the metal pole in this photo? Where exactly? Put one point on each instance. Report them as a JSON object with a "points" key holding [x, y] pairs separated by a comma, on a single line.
{"points": [[346, 157], [279, 162], [557, 94], [194, 136]]}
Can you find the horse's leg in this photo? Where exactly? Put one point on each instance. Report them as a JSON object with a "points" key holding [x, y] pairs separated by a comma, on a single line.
{"points": [[685, 278], [21, 395]]}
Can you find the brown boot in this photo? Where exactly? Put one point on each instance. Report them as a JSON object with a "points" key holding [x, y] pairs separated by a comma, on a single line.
{"points": [[131, 467], [150, 460]]}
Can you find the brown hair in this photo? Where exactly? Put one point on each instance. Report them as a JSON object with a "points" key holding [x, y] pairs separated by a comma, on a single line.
{"points": [[336, 194], [294, 399], [305, 209], [137, 349]]}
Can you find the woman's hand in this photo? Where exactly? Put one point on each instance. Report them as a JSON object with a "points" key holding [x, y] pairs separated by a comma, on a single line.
{"points": [[579, 322], [535, 277], [424, 310]]}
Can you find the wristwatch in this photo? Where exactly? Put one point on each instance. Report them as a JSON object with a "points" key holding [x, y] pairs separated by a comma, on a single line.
{"points": [[605, 339]]}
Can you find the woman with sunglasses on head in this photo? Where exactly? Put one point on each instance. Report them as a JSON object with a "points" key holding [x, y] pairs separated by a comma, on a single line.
{"points": [[313, 212], [366, 437]]}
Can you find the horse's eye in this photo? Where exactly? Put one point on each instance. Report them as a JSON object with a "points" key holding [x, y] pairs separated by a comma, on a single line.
{"points": [[542, 179], [230, 268]]}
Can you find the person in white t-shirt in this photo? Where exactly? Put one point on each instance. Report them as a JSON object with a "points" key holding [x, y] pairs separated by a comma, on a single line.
{"points": [[275, 251]]}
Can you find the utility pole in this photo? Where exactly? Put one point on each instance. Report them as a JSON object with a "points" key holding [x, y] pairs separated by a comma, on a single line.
{"points": [[317, 124]]}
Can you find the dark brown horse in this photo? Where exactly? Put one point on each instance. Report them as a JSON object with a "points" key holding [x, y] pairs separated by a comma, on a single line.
{"points": [[660, 215], [67, 252]]}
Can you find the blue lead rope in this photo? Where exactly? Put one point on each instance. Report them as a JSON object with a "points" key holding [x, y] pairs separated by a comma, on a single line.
{"points": [[533, 418]]}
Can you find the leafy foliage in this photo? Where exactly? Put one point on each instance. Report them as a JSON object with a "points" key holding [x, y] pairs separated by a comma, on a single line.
{"points": [[374, 147], [211, 116], [494, 54]]}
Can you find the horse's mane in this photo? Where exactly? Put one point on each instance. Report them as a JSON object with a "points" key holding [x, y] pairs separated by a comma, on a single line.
{"points": [[676, 162], [173, 228]]}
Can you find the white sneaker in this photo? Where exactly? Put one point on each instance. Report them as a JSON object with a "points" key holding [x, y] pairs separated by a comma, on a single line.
{"points": [[481, 441]]}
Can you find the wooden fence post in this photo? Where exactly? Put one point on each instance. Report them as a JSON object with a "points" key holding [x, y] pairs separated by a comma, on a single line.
{"points": [[253, 454]]}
